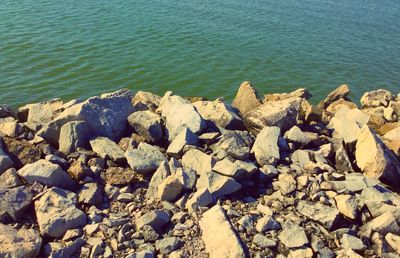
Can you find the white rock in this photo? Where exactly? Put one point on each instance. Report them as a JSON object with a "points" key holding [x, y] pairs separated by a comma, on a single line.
{"points": [[184, 138], [147, 124], [293, 237], [265, 147], [73, 135], [145, 159], [201, 198], [107, 148], [198, 161]]}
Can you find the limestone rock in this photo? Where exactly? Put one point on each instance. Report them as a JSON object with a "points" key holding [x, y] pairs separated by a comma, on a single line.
{"points": [[56, 212], [347, 205], [169, 189], [293, 237], [5, 160], [351, 242], [179, 114], [282, 114], [14, 202], [392, 135], [246, 98], [218, 185], [321, 213], [145, 101], [219, 236], [235, 144], [73, 135], [184, 138], [105, 115], [90, 194], [47, 173], [156, 219], [287, 184], [299, 93], [236, 169], [384, 224], [374, 158], [147, 124], [340, 92], [394, 241], [38, 114], [220, 113], [201, 198], [301, 253], [106, 148], [22, 243], [198, 161], [168, 244], [145, 159], [10, 128], [299, 138], [376, 98], [265, 147], [267, 223], [161, 173]]}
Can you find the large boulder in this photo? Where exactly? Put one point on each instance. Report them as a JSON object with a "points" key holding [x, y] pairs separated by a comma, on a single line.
{"points": [[19, 243], [376, 98], [73, 135], [220, 113], [56, 212], [265, 147], [145, 159], [220, 238], [47, 173], [246, 98], [282, 113], [178, 114], [375, 159], [147, 124], [340, 92], [107, 148], [105, 115]]}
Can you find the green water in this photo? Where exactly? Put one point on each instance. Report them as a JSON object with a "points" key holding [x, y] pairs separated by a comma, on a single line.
{"points": [[73, 48]]}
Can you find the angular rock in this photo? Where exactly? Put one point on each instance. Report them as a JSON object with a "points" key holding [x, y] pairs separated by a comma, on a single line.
{"points": [[187, 178], [282, 114], [6, 111], [201, 198], [299, 93], [262, 241], [347, 205], [168, 244], [9, 179], [106, 148], [78, 170], [179, 114], [265, 147], [235, 144], [394, 241], [392, 135], [198, 161], [351, 242], [267, 223], [376, 98], [375, 159], [384, 224], [218, 185], [47, 173], [5, 160], [56, 212], [293, 237], [220, 113], [327, 216], [219, 236], [184, 138], [14, 202], [21, 152], [38, 114], [169, 189], [73, 135], [147, 124], [156, 219], [90, 194], [287, 184], [22, 243], [340, 92], [145, 101], [158, 177], [236, 169], [299, 138], [246, 98], [145, 159], [121, 176], [105, 115], [10, 128]]}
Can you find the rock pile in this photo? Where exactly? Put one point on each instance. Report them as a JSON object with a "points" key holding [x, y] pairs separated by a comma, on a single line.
{"points": [[140, 175]]}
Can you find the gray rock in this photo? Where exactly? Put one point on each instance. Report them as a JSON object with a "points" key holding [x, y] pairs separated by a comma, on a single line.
{"points": [[184, 138], [201, 198], [38, 114], [105, 116], [383, 224], [237, 169], [246, 98], [179, 114], [168, 245], [375, 159], [318, 212], [187, 178], [376, 98], [73, 135], [198, 161], [14, 202], [67, 249], [142, 254], [220, 113], [262, 241], [347, 205], [293, 237], [218, 185], [9, 179], [6, 111], [282, 114], [156, 219], [147, 124], [169, 189], [10, 127], [235, 144], [161, 173], [351, 242], [218, 235], [267, 223], [265, 147], [247, 222], [22, 243], [56, 212], [145, 159], [106, 148], [5, 160], [47, 173], [90, 193], [299, 138]]}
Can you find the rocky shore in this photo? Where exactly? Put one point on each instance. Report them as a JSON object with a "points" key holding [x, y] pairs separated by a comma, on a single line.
{"points": [[139, 175]]}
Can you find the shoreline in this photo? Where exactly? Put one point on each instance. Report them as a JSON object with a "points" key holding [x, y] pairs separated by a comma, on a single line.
{"points": [[129, 174]]}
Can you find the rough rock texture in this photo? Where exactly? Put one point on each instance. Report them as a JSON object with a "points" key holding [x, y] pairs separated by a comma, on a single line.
{"points": [[145, 159], [14, 202], [246, 98], [147, 124], [340, 92], [21, 152], [22, 243], [220, 238], [73, 135], [265, 147], [106, 148]]}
